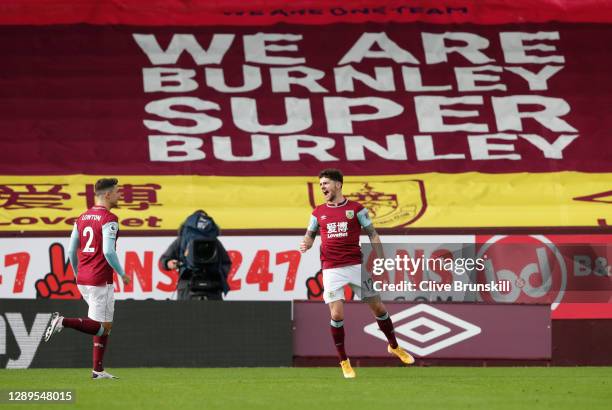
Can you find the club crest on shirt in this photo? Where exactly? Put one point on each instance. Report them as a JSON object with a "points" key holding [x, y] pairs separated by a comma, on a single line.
{"points": [[350, 214]]}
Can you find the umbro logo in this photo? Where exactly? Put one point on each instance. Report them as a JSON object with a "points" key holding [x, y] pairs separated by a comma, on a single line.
{"points": [[423, 329], [324, 217]]}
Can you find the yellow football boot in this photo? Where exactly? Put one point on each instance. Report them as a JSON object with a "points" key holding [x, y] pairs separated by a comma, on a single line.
{"points": [[347, 370], [403, 355]]}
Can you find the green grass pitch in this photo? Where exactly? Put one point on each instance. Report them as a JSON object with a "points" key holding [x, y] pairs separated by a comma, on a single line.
{"points": [[324, 388]]}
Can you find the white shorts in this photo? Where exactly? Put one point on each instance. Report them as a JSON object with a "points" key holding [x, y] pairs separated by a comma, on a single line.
{"points": [[334, 280], [101, 301]]}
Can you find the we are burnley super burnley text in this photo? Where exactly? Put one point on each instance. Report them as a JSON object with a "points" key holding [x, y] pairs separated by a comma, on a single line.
{"points": [[380, 113]]}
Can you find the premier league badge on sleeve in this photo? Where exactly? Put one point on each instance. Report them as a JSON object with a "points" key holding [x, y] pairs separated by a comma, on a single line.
{"points": [[350, 214]]}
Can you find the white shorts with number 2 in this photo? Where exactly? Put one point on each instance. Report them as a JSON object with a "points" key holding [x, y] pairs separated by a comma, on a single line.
{"points": [[101, 301]]}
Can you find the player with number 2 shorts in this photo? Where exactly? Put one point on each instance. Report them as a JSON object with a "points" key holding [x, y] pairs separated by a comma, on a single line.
{"points": [[93, 258]]}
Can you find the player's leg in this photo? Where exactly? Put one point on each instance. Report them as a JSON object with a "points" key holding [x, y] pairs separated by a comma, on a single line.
{"points": [[333, 295], [382, 318], [104, 311], [336, 310], [100, 343], [82, 324], [364, 289], [385, 324]]}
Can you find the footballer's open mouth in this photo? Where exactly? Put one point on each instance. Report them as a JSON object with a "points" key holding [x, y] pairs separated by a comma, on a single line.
{"points": [[325, 192]]}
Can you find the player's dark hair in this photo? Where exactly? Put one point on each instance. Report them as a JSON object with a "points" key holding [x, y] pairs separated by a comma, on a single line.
{"points": [[333, 174], [104, 184]]}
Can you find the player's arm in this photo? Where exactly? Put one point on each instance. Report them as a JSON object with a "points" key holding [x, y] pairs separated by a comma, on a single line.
{"points": [[73, 246], [368, 227], [109, 236], [311, 234]]}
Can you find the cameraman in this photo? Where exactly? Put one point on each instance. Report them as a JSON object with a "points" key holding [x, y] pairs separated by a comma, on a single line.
{"points": [[200, 258]]}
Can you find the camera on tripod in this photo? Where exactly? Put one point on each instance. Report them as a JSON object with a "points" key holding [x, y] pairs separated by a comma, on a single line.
{"points": [[202, 261], [205, 264]]}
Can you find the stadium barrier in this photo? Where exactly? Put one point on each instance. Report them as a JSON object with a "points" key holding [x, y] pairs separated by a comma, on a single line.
{"points": [[151, 334], [270, 268], [229, 334], [582, 342], [440, 331], [465, 334]]}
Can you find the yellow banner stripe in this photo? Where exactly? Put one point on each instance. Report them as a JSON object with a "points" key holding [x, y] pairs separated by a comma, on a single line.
{"points": [[431, 200]]}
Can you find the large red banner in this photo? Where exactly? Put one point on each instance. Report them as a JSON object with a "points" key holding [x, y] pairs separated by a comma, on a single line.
{"points": [[372, 98], [265, 12]]}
